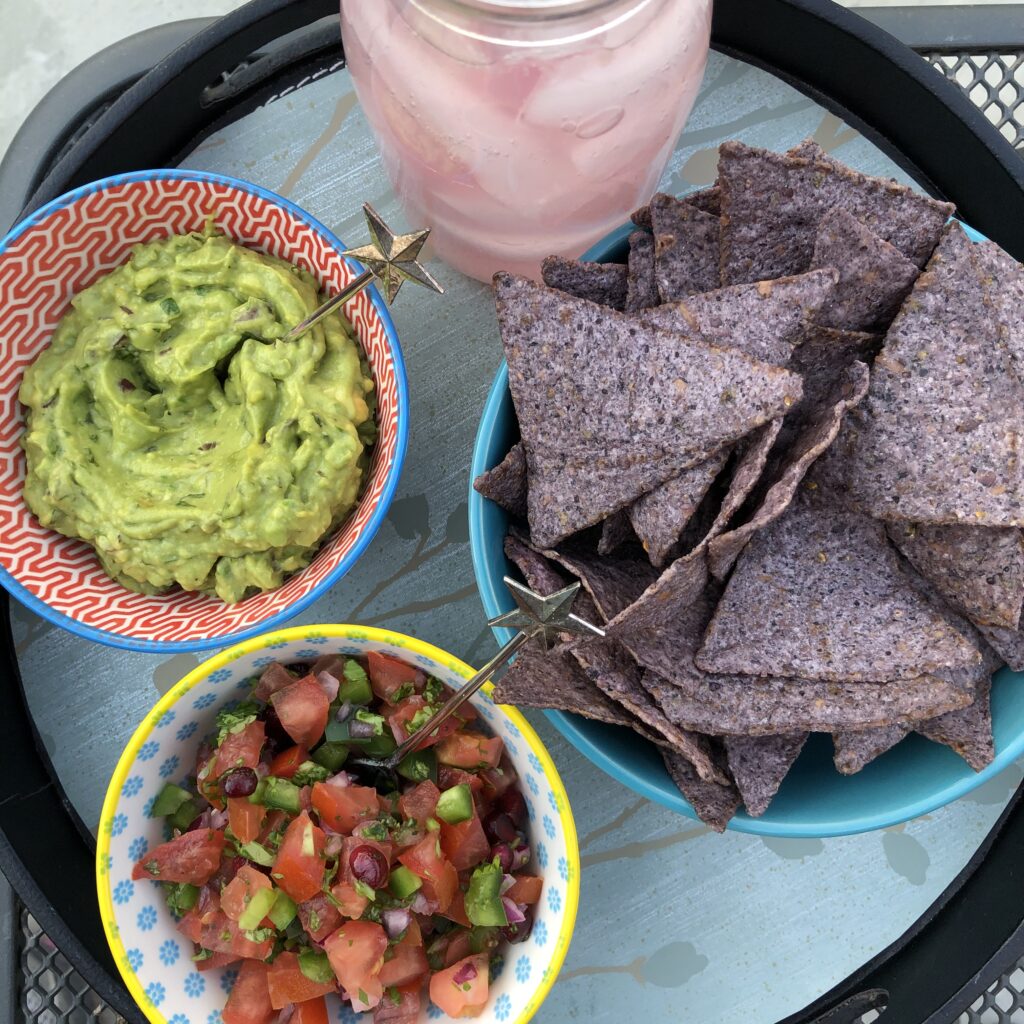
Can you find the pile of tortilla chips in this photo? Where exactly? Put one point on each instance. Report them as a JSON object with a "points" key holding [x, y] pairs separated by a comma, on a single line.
{"points": [[781, 450]]}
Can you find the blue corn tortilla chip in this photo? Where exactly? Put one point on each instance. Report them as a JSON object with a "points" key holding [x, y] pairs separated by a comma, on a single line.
{"points": [[968, 732], [714, 803], [772, 204], [685, 248], [641, 283], [505, 484], [614, 582], [854, 751], [616, 530], [707, 200], [603, 283], [758, 764], [821, 596]]}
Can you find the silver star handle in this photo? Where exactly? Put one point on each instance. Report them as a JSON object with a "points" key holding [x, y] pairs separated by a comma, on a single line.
{"points": [[536, 618], [390, 260]]}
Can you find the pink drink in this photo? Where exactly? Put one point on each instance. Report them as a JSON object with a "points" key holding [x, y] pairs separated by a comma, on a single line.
{"points": [[519, 128]]}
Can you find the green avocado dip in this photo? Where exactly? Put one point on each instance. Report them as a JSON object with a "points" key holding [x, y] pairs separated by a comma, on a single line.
{"points": [[172, 429]]}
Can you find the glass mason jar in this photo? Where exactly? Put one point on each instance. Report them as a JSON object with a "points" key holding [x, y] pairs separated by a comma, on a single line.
{"points": [[519, 128]]}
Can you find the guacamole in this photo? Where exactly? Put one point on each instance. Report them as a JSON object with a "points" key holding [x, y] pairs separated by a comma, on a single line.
{"points": [[172, 429]]}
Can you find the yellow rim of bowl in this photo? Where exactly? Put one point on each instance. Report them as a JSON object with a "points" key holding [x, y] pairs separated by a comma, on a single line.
{"points": [[231, 654]]}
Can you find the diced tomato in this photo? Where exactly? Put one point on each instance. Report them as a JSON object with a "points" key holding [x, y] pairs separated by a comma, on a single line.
{"points": [[448, 778], [191, 925], [459, 947], [461, 990], [275, 677], [425, 860], [238, 893], [245, 819], [215, 961], [356, 951], [470, 750], [526, 889], [240, 749], [288, 984], [302, 709], [457, 912], [312, 1011], [286, 764], [249, 1002], [206, 780], [275, 821], [387, 675], [465, 844], [405, 1011], [420, 802], [319, 916], [299, 866], [193, 857], [498, 780], [343, 807], [406, 710], [352, 904], [408, 964], [222, 935]]}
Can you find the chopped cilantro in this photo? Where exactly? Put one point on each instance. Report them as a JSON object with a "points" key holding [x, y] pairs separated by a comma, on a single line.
{"points": [[181, 897], [369, 718], [420, 719], [260, 934], [405, 690], [203, 954], [363, 997], [236, 719], [394, 995], [365, 890], [376, 830], [433, 690], [309, 772]]}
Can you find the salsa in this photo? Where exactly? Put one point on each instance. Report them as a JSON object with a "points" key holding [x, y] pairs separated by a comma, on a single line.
{"points": [[170, 427], [315, 880]]}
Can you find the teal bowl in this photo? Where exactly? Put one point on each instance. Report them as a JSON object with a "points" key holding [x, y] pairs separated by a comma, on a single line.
{"points": [[815, 801]]}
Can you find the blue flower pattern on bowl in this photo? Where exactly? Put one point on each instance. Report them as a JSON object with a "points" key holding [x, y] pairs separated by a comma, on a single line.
{"points": [[155, 993], [170, 961], [523, 969]]}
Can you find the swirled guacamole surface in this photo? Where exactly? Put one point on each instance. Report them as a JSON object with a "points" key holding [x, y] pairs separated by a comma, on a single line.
{"points": [[171, 427]]}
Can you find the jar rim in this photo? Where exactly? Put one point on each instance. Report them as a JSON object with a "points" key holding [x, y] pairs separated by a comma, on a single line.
{"points": [[535, 9]]}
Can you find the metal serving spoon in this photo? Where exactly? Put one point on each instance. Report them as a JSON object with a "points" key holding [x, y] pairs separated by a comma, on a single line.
{"points": [[390, 260], [536, 618]]}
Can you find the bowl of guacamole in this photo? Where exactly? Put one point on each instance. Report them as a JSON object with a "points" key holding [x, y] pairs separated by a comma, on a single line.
{"points": [[183, 476]]}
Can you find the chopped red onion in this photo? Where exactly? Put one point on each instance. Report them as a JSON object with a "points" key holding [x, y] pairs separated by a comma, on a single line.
{"points": [[506, 883], [467, 972], [333, 845], [205, 900], [512, 911], [328, 684], [262, 769], [504, 854], [218, 818], [286, 1013], [395, 922], [341, 780], [343, 712], [361, 730], [520, 857], [420, 904]]}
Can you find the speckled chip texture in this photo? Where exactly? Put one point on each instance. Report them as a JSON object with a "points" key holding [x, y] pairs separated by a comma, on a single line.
{"points": [[505, 484], [713, 804], [1005, 278], [641, 283], [978, 570], [772, 204], [759, 764], [821, 596], [940, 435], [739, 705], [874, 276], [614, 581], [685, 248], [969, 731], [616, 530], [708, 200], [854, 751], [604, 283]]}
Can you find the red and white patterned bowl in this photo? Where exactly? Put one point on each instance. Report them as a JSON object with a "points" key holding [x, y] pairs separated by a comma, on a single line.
{"points": [[63, 248]]}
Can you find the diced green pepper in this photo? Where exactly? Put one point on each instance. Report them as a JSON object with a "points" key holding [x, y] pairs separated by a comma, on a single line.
{"points": [[184, 815], [282, 794], [257, 854], [315, 966], [419, 766], [403, 883], [455, 805], [181, 897], [379, 745], [483, 899], [483, 940], [283, 912], [331, 756], [355, 687], [260, 905], [168, 800]]}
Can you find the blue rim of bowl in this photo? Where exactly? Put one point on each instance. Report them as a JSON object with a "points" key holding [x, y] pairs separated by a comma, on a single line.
{"points": [[496, 602], [110, 639]]}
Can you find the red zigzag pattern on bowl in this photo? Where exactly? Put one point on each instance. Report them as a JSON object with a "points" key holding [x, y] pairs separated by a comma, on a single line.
{"points": [[66, 251]]}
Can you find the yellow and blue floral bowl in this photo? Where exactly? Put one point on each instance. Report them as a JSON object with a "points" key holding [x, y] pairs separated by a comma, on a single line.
{"points": [[155, 959]]}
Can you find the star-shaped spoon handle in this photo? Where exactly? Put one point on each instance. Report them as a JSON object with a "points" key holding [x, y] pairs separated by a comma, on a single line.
{"points": [[536, 617], [390, 261]]}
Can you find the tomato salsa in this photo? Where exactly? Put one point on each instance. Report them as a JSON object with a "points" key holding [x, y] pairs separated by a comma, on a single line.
{"points": [[315, 880]]}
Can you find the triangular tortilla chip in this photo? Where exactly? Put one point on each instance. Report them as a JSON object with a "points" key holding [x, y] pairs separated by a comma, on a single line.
{"points": [[603, 283], [810, 443], [821, 596], [685, 248], [759, 764], [772, 204], [874, 276], [714, 804], [968, 731], [940, 435], [505, 484], [979, 571], [616, 530], [544, 577], [708, 200], [856, 750], [613, 581], [641, 283]]}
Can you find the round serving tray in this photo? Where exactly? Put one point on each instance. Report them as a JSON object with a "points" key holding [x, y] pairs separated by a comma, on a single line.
{"points": [[55, 686]]}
